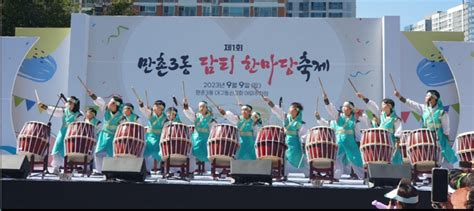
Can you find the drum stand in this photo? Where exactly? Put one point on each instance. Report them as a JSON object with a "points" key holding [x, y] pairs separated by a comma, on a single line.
{"points": [[75, 166], [184, 173], [278, 172], [215, 166], [315, 176], [44, 162], [200, 167]]}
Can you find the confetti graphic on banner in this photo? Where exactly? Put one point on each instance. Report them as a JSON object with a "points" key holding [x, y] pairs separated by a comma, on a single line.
{"points": [[456, 107], [405, 116], [18, 100], [446, 108], [118, 33], [369, 114], [360, 73], [29, 104], [417, 116]]}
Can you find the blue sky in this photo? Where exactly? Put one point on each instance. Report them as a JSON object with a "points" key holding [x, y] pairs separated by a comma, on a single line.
{"points": [[410, 11]]}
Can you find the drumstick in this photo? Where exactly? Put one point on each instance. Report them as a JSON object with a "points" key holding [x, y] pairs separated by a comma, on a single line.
{"points": [[136, 95], [352, 85], [37, 96], [237, 98], [322, 87], [317, 104], [184, 90], [212, 102], [147, 102], [82, 82], [393, 82]]}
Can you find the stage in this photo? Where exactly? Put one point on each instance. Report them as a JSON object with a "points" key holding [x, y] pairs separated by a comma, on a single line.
{"points": [[201, 192]]}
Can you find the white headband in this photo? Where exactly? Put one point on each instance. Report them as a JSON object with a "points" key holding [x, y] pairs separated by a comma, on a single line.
{"points": [[202, 103], [245, 108], [431, 95], [116, 102], [347, 104], [72, 100]]}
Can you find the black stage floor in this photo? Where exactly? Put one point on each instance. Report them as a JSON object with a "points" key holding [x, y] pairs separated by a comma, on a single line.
{"points": [[156, 193]]}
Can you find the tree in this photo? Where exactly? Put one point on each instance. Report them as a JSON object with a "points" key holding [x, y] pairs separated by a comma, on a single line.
{"points": [[120, 7], [36, 13]]}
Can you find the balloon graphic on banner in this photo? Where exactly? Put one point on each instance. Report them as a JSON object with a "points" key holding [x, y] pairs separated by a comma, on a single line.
{"points": [[38, 69], [433, 73]]}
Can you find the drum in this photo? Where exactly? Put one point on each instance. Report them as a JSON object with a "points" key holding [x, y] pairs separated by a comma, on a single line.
{"points": [[33, 140], [129, 140], [376, 146], [423, 149], [465, 147], [223, 143], [79, 141], [178, 143], [270, 144], [404, 137], [321, 147]]}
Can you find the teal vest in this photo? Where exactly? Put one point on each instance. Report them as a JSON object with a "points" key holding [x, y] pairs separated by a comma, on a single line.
{"points": [[69, 117], [201, 124], [388, 123], [111, 121], [94, 122], [156, 123], [292, 126], [245, 127], [132, 118], [432, 122], [344, 128]]}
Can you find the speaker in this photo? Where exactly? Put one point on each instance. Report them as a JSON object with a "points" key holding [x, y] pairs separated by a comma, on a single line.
{"points": [[387, 174], [251, 171], [14, 166], [128, 169]]}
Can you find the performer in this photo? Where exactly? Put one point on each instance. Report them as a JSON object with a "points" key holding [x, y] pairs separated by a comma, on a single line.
{"points": [[347, 128], [112, 117], [434, 118], [129, 115], [156, 120], [248, 124], [69, 114], [295, 136], [388, 120], [90, 117], [203, 122]]}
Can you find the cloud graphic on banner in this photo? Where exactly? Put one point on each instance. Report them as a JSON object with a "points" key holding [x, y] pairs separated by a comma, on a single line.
{"points": [[38, 69], [433, 73], [360, 73], [118, 33]]}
